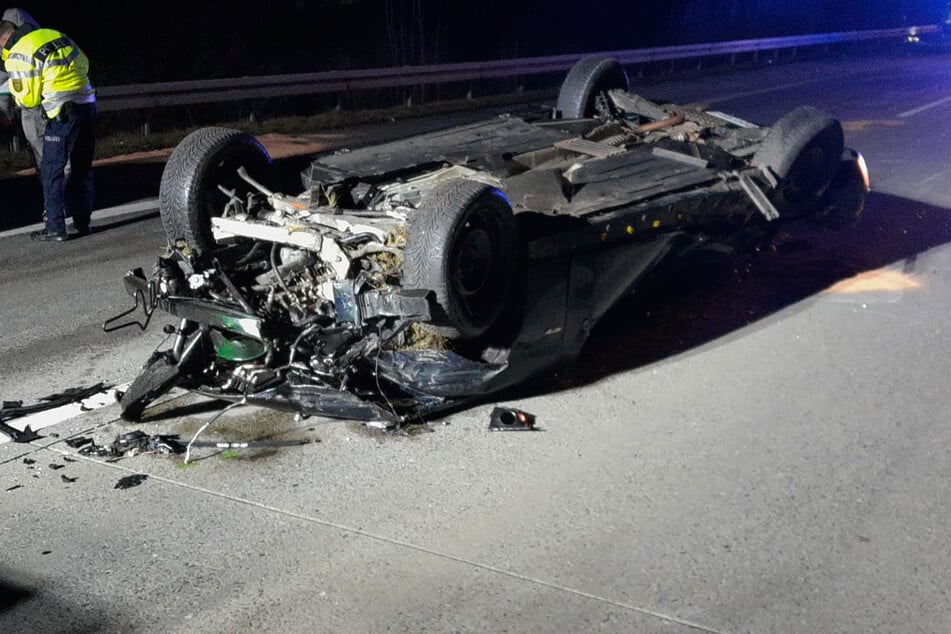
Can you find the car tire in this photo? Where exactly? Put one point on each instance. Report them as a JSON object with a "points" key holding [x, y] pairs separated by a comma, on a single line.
{"points": [[204, 160], [802, 151], [461, 246], [159, 376], [845, 199], [588, 78]]}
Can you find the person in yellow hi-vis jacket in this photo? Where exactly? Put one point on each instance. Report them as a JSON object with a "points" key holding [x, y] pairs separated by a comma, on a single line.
{"points": [[49, 70], [32, 120]]}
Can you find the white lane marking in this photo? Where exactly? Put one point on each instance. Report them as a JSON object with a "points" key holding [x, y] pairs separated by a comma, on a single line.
{"points": [[927, 106], [760, 91], [142, 207], [50, 417], [796, 84]]}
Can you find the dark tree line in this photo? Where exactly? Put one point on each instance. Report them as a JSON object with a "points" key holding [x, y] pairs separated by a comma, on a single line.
{"points": [[179, 40]]}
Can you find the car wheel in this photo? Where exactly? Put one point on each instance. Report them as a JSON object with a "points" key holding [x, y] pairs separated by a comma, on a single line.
{"points": [[461, 246], [845, 199], [802, 150], [204, 160], [587, 79], [158, 377]]}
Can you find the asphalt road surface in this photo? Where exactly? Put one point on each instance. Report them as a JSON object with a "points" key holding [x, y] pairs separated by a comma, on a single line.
{"points": [[756, 449]]}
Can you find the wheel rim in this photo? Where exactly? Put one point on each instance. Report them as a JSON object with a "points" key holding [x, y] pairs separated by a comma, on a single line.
{"points": [[473, 262], [477, 265]]}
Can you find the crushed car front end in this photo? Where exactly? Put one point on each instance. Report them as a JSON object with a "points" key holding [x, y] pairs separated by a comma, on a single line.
{"points": [[413, 277]]}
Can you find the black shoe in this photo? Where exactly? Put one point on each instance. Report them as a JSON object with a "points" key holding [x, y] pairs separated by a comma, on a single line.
{"points": [[82, 230], [49, 236]]}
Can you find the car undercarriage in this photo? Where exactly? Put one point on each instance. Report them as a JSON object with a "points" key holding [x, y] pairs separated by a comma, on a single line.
{"points": [[409, 278]]}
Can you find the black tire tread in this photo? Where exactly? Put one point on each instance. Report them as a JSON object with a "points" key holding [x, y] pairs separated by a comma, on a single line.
{"points": [[186, 174], [788, 139], [791, 134], [159, 376], [589, 75], [429, 237]]}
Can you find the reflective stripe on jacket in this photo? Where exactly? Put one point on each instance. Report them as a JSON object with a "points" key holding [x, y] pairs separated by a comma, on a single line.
{"points": [[47, 68]]}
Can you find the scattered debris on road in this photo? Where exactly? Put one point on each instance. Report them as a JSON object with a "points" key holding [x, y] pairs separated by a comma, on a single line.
{"points": [[131, 481], [511, 419], [134, 443], [78, 441], [15, 409]]}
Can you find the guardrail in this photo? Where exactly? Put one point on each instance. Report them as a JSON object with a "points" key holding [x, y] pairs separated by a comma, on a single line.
{"points": [[136, 96]]}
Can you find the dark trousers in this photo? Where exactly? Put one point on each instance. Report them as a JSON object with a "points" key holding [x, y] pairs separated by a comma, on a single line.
{"points": [[70, 138]]}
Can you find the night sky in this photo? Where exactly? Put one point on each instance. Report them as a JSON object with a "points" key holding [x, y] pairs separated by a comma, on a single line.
{"points": [[178, 40]]}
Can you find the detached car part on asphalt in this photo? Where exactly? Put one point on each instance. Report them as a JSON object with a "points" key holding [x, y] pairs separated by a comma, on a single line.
{"points": [[10, 410], [410, 277]]}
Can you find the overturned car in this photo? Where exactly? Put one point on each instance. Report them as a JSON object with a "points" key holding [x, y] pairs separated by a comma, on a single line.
{"points": [[412, 277]]}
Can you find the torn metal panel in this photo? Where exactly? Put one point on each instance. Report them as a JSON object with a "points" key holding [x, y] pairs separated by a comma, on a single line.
{"points": [[635, 104], [538, 189], [437, 372], [318, 400], [483, 145]]}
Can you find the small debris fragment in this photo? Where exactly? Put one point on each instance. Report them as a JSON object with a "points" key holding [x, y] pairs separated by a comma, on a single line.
{"points": [[15, 487], [133, 440], [25, 436], [29, 461], [511, 419], [134, 443], [131, 481], [54, 466], [68, 459], [67, 479], [78, 441], [92, 449]]}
